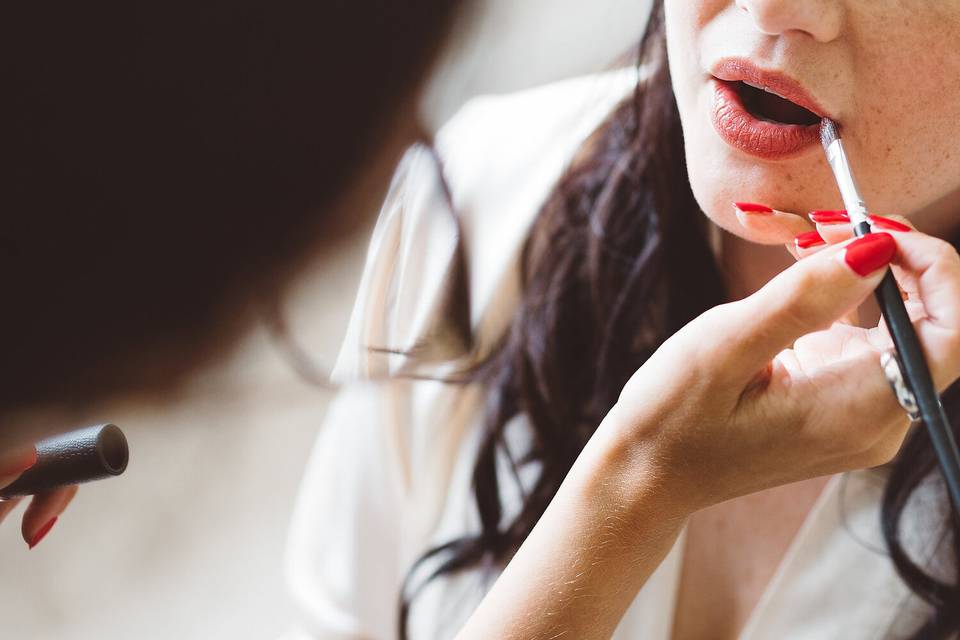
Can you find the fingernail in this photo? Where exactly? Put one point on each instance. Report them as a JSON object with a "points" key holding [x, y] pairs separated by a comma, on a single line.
{"points": [[867, 254], [42, 533], [809, 239], [751, 207], [16, 462], [829, 216], [887, 223]]}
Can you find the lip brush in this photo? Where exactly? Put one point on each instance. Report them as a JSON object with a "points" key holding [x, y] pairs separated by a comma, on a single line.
{"points": [[914, 366]]}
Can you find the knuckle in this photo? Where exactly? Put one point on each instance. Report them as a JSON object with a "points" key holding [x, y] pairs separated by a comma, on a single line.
{"points": [[706, 344], [709, 323], [944, 252], [796, 309]]}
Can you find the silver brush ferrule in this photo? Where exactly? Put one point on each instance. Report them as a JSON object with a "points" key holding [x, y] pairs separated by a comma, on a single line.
{"points": [[856, 207]]}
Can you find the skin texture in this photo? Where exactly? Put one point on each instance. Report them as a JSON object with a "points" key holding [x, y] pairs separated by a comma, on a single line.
{"points": [[789, 372], [870, 63]]}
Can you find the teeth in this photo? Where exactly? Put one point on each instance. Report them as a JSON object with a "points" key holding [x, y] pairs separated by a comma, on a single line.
{"points": [[767, 89]]}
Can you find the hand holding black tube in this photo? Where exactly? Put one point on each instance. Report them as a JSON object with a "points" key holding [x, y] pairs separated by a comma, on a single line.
{"points": [[52, 468], [91, 453]]}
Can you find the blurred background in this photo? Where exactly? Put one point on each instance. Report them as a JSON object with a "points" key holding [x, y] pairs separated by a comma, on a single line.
{"points": [[190, 542]]}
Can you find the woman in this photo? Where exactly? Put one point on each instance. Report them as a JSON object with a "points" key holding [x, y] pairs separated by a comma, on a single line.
{"points": [[170, 169], [664, 426]]}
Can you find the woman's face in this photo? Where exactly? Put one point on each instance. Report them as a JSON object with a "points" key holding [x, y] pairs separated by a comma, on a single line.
{"points": [[888, 71]]}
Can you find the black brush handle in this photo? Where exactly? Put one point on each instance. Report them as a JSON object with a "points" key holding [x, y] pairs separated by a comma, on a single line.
{"points": [[78, 456], [917, 376]]}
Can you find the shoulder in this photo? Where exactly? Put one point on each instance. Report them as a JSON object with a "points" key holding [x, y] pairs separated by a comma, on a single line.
{"points": [[462, 211], [497, 142]]}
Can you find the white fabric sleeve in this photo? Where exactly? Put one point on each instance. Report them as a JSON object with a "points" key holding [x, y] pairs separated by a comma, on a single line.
{"points": [[408, 276], [356, 526], [343, 565]]}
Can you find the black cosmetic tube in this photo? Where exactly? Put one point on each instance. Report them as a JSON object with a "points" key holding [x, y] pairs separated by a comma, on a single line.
{"points": [[91, 453]]}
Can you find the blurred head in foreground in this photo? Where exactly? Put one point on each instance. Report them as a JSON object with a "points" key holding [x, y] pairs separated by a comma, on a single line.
{"points": [[170, 164]]}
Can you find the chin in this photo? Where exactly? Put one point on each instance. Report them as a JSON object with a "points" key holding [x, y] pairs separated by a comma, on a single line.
{"points": [[720, 176], [717, 185]]}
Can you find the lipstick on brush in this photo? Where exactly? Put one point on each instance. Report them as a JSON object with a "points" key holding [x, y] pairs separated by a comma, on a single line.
{"points": [[909, 372]]}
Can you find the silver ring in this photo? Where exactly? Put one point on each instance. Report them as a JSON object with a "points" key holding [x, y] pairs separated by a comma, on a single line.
{"points": [[894, 373]]}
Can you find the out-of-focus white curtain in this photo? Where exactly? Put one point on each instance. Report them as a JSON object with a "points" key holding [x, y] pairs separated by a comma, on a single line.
{"points": [[507, 45]]}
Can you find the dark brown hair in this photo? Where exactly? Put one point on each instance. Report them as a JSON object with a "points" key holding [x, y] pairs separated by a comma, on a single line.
{"points": [[616, 262], [165, 162]]}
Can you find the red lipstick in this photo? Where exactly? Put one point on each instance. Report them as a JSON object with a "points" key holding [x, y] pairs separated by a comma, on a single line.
{"points": [[750, 132]]}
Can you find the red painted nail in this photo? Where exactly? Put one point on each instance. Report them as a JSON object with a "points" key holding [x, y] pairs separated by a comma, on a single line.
{"points": [[867, 254], [809, 239], [42, 533], [18, 461], [750, 207], [887, 223], [834, 216]]}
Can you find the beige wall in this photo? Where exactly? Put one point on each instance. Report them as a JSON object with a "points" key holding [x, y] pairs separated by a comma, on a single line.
{"points": [[507, 45]]}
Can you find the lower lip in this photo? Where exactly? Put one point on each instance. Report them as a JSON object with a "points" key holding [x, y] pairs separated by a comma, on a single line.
{"points": [[744, 131]]}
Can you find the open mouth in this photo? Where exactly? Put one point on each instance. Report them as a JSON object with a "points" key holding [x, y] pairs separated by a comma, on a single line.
{"points": [[767, 106]]}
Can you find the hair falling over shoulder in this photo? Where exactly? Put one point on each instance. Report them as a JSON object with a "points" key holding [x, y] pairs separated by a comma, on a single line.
{"points": [[616, 262]]}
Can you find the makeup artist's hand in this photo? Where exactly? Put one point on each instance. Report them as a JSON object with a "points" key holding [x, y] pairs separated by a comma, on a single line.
{"points": [[773, 389], [44, 508], [761, 392]]}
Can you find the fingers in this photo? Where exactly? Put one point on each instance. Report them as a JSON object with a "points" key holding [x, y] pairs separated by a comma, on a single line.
{"points": [[769, 226], [15, 461], [809, 296], [44, 508], [934, 269], [834, 225], [42, 513], [869, 421], [806, 244], [927, 270], [7, 506]]}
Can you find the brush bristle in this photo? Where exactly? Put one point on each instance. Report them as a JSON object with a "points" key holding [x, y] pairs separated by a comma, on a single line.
{"points": [[829, 132]]}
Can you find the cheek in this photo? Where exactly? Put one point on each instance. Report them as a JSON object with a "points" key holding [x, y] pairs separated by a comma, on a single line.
{"points": [[719, 178], [713, 187], [908, 115]]}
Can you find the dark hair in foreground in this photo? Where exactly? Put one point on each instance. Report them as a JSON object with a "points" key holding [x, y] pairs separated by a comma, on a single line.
{"points": [[614, 266], [166, 161]]}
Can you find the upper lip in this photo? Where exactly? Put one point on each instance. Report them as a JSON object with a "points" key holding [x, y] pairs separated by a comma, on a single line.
{"points": [[743, 70]]}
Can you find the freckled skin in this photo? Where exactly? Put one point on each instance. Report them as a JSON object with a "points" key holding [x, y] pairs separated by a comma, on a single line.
{"points": [[887, 70]]}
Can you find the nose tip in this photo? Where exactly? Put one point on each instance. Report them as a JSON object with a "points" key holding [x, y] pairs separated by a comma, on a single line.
{"points": [[820, 19]]}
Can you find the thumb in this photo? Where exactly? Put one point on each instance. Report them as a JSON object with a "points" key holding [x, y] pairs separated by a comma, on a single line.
{"points": [[809, 296]]}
